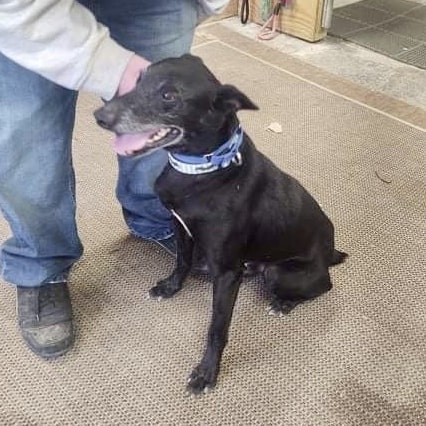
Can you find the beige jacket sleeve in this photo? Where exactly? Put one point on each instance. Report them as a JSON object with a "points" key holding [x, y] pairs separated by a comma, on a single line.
{"points": [[62, 41]]}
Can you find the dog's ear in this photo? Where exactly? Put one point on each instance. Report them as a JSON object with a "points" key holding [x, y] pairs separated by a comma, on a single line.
{"points": [[230, 99]]}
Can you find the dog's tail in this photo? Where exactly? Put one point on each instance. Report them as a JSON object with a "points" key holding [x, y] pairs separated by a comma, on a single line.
{"points": [[338, 257]]}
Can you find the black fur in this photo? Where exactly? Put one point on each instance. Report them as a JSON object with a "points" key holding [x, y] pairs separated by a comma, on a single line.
{"points": [[248, 212]]}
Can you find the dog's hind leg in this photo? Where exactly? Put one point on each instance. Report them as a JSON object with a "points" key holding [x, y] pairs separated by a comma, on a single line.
{"points": [[169, 286], [294, 282]]}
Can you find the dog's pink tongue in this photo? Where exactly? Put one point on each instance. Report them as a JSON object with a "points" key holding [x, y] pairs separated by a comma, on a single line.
{"points": [[127, 144]]}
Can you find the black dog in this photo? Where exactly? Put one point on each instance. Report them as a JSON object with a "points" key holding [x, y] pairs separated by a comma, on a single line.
{"points": [[227, 198]]}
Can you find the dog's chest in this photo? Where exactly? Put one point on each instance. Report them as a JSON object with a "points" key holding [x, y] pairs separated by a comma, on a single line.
{"points": [[203, 202], [190, 217], [180, 201], [193, 210], [185, 226]]}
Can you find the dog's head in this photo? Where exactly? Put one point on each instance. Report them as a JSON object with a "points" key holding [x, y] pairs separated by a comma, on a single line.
{"points": [[178, 104]]}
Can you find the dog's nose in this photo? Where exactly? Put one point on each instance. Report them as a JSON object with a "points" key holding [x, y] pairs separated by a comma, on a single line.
{"points": [[105, 117]]}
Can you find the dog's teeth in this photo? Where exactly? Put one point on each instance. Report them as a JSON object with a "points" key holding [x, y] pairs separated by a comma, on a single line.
{"points": [[160, 134]]}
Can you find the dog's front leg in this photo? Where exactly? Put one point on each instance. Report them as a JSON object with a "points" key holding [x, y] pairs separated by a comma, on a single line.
{"points": [[225, 292], [172, 284]]}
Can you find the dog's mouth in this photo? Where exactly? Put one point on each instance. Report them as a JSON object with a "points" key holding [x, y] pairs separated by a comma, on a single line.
{"points": [[132, 144]]}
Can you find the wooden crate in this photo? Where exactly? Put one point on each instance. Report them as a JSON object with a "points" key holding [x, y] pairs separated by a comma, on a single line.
{"points": [[230, 10], [302, 19]]}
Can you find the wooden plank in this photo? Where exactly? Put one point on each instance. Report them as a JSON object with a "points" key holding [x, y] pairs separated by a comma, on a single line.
{"points": [[302, 19]]}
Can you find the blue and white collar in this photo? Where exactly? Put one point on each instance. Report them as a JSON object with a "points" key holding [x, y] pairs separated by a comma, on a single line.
{"points": [[222, 157]]}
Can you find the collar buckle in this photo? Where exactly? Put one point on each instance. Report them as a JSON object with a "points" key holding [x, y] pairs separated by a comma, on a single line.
{"points": [[238, 159]]}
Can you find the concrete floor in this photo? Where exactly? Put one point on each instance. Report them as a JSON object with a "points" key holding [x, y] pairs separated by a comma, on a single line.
{"points": [[341, 3], [355, 63]]}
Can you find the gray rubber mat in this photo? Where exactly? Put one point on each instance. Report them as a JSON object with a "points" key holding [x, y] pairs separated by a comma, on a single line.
{"points": [[395, 28]]}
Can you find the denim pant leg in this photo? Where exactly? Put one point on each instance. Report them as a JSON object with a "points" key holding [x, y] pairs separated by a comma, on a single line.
{"points": [[156, 30], [36, 176]]}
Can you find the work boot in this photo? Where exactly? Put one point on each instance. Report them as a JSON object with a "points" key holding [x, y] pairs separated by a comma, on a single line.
{"points": [[45, 318]]}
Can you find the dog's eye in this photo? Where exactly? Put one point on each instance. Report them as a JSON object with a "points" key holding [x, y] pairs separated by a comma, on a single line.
{"points": [[169, 96]]}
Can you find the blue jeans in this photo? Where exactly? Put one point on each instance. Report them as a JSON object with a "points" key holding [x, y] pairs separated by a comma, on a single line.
{"points": [[37, 187]]}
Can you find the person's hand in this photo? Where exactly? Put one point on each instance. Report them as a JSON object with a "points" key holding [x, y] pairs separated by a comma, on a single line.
{"points": [[131, 74]]}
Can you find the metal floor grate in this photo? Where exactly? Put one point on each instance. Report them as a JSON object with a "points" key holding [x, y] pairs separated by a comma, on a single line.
{"points": [[395, 28]]}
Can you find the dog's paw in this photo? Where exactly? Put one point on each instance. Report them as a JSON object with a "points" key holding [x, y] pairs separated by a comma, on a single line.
{"points": [[148, 296], [163, 290], [281, 308], [201, 380], [274, 313]]}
